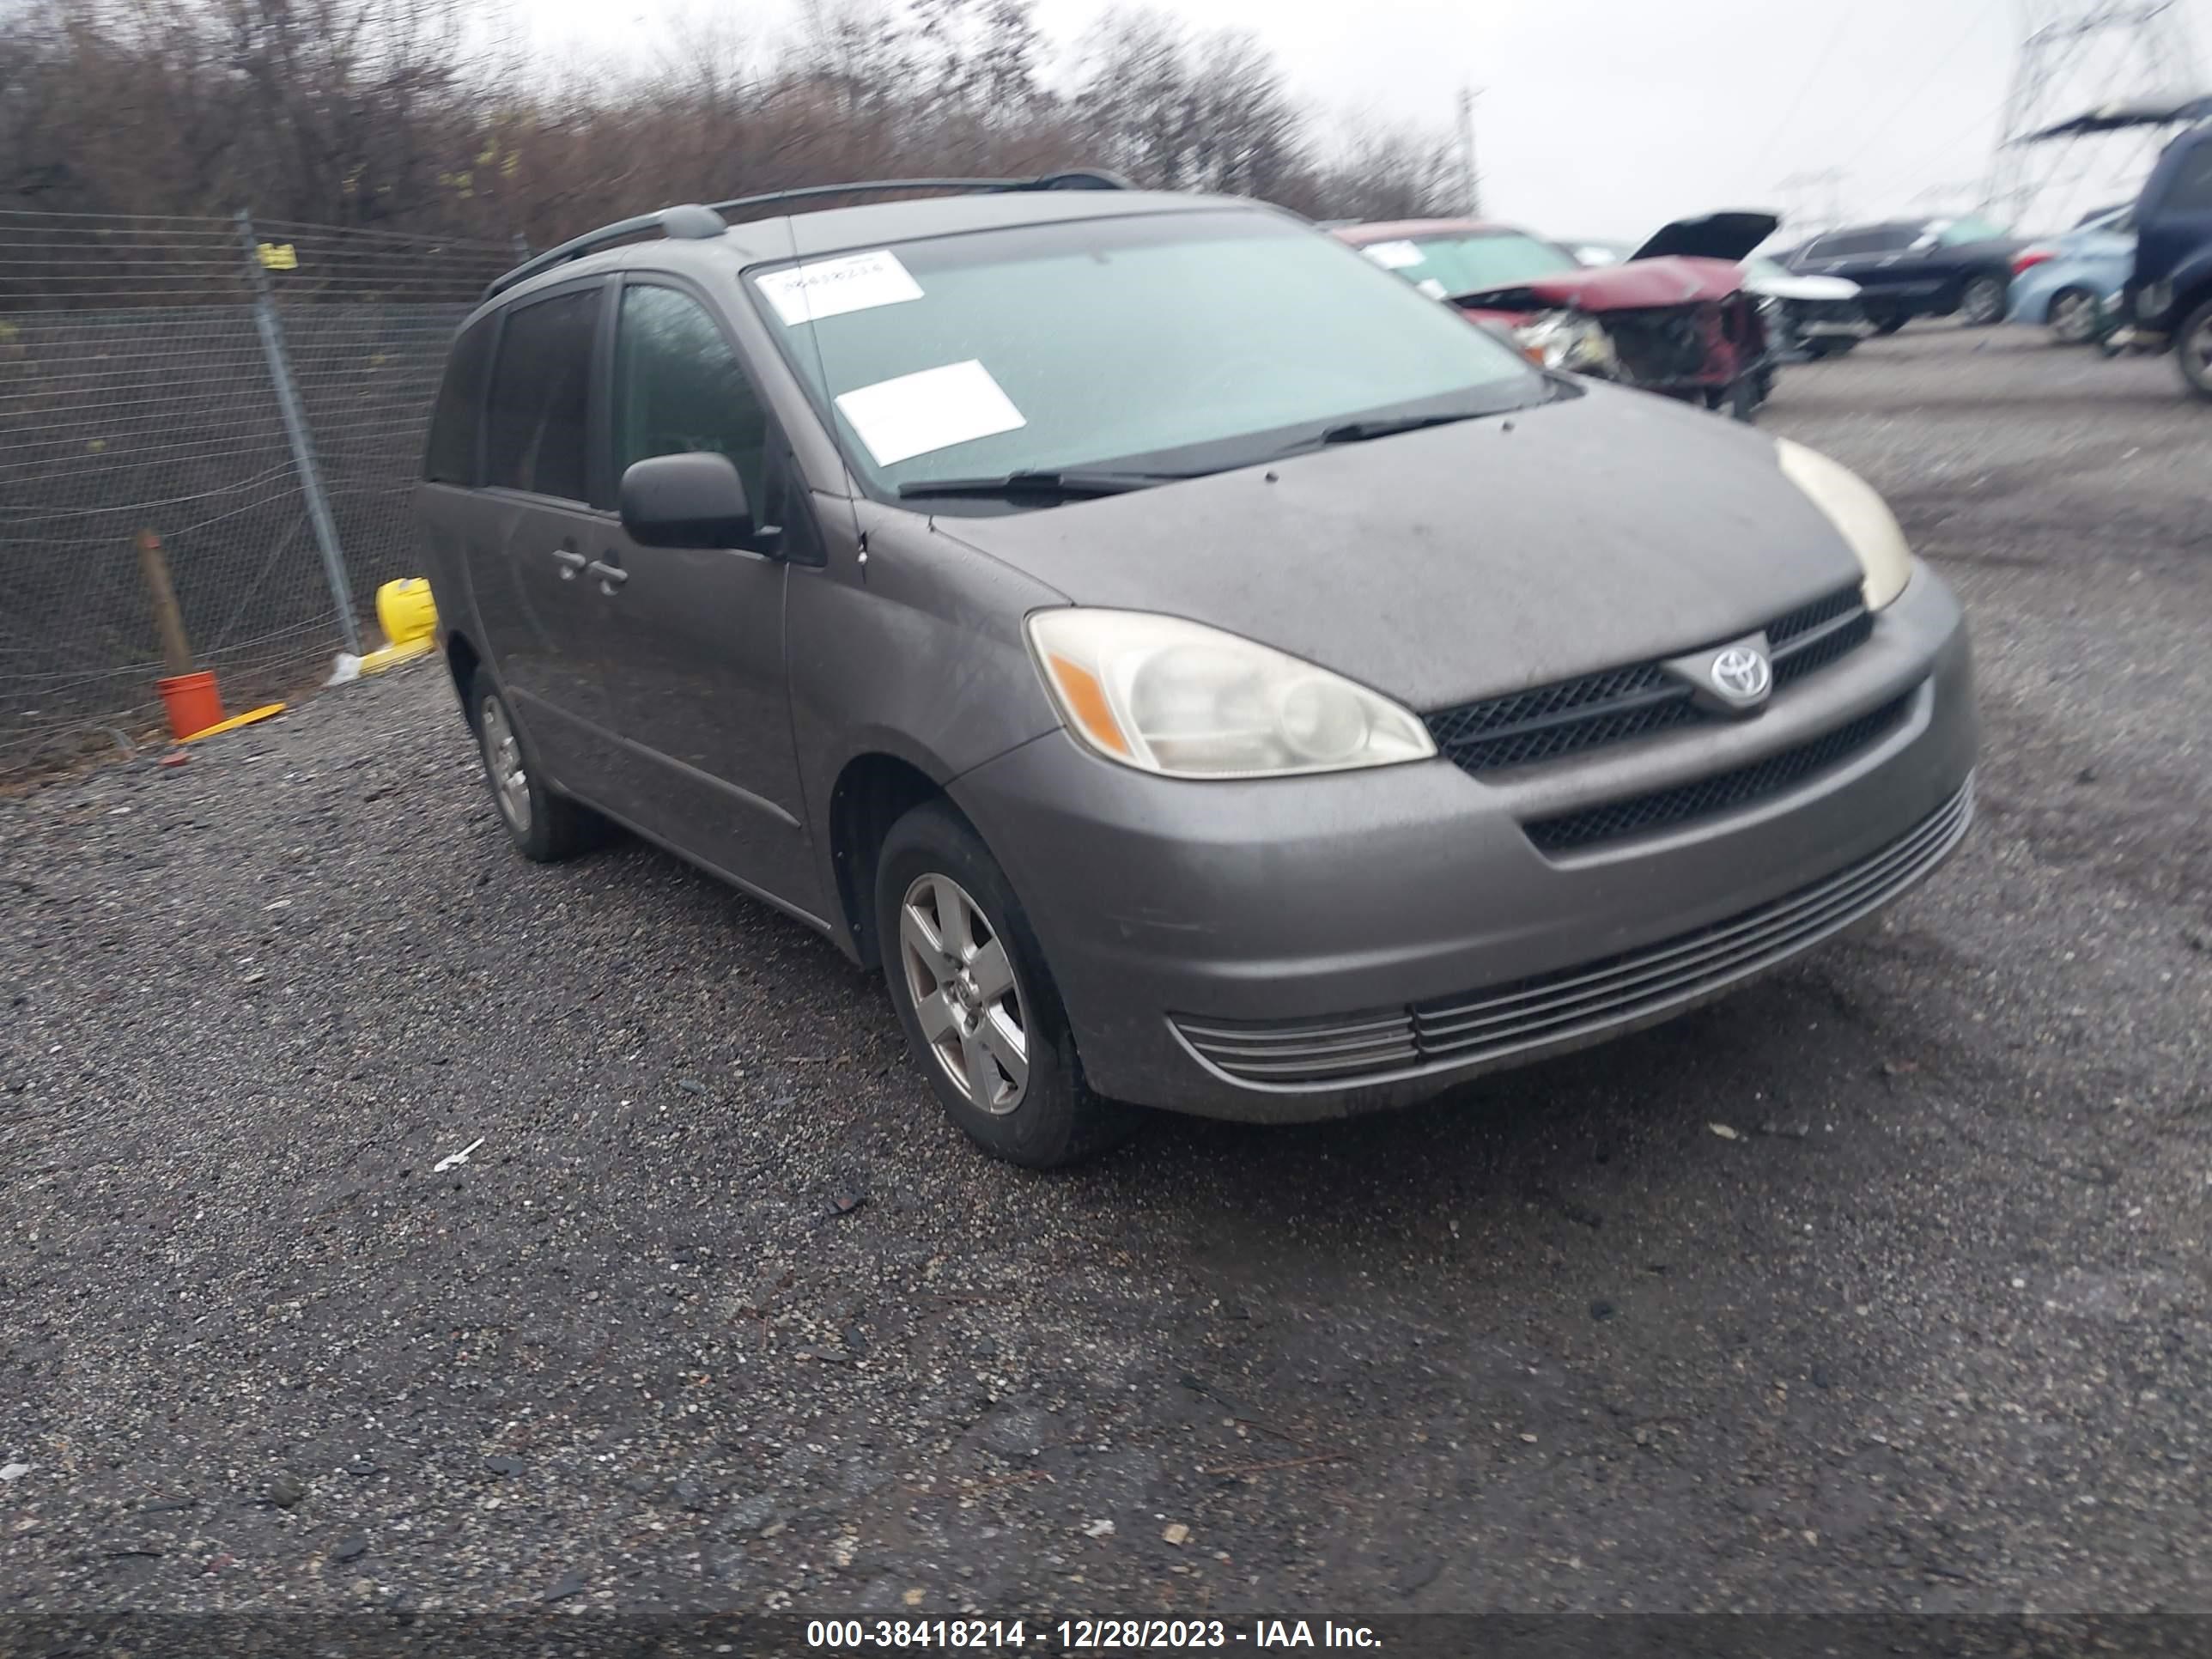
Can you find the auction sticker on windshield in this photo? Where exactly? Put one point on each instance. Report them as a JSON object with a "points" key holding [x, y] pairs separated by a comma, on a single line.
{"points": [[1393, 256], [936, 408], [829, 288]]}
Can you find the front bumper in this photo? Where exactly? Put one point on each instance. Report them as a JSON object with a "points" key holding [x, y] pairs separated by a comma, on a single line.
{"points": [[1291, 949]]}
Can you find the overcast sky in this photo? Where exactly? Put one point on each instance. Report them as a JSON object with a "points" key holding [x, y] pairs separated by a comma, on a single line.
{"points": [[1605, 118]]}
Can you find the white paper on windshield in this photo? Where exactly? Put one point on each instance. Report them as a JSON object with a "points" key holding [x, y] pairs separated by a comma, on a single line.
{"points": [[1431, 287], [935, 409], [829, 288], [1393, 256]]}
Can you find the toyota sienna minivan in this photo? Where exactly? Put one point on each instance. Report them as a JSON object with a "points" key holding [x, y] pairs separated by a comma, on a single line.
{"points": [[1200, 671]]}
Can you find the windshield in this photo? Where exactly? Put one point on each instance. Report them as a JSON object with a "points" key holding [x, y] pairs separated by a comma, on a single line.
{"points": [[1163, 342], [1472, 263], [1970, 229], [1759, 265]]}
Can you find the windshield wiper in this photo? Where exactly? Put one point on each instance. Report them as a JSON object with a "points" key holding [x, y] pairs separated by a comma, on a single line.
{"points": [[1358, 432], [1070, 481]]}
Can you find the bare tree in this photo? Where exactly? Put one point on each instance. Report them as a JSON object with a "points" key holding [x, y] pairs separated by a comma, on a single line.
{"points": [[404, 114]]}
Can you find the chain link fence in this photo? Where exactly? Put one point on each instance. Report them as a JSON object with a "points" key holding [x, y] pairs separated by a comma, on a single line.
{"points": [[252, 393]]}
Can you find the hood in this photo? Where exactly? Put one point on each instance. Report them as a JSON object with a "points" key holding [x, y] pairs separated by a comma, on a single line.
{"points": [[1793, 287], [1637, 286], [1729, 236], [1465, 561]]}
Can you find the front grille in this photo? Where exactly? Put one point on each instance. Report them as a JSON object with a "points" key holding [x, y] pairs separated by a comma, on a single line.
{"points": [[1785, 630], [1663, 808], [1571, 1006], [1670, 344], [1557, 720], [1616, 704], [1817, 634]]}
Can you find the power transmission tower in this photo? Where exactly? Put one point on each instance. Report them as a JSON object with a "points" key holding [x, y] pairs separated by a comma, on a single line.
{"points": [[1471, 177], [2074, 55]]}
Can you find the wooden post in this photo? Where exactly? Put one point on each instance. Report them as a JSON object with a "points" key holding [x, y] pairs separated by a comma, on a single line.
{"points": [[168, 617]]}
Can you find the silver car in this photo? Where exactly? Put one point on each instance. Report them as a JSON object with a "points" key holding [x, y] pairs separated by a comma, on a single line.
{"points": [[1199, 669]]}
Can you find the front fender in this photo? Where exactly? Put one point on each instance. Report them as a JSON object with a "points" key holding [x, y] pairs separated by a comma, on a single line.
{"points": [[2192, 285]]}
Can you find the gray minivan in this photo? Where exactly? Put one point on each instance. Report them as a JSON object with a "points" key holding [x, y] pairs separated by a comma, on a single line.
{"points": [[1201, 670]]}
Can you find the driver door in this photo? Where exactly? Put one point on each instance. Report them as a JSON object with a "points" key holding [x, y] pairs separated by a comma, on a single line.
{"points": [[697, 676]]}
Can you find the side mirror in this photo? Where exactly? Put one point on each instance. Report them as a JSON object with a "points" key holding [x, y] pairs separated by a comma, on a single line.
{"points": [[693, 499]]}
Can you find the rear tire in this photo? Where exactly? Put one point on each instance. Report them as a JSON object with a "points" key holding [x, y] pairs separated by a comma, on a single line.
{"points": [[1982, 302], [544, 825], [2192, 351], [981, 1011]]}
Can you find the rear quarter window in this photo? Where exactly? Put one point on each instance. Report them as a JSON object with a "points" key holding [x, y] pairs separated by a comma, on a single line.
{"points": [[535, 423], [454, 424]]}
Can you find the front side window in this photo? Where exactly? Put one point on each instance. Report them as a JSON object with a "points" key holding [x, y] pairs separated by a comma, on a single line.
{"points": [[1850, 245], [1185, 341], [678, 387], [540, 394]]}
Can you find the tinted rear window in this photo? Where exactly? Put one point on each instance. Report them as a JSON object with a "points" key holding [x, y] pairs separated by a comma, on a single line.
{"points": [[452, 458], [539, 393]]}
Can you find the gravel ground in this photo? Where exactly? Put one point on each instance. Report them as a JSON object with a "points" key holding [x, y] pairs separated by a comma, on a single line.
{"points": [[719, 1312]]}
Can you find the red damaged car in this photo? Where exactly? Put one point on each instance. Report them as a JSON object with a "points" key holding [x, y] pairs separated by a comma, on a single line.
{"points": [[1674, 318]]}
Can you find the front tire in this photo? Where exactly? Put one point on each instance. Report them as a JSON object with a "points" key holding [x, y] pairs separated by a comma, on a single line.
{"points": [[1982, 302], [2073, 316], [1886, 322], [2193, 350], [544, 825], [981, 1011]]}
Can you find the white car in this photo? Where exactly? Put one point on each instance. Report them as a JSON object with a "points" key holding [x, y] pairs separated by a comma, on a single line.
{"points": [[1806, 316]]}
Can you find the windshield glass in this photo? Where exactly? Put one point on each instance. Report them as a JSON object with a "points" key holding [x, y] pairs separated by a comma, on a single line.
{"points": [[1759, 265], [1169, 343], [1472, 263]]}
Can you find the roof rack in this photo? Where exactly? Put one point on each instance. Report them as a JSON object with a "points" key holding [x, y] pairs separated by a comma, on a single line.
{"points": [[693, 223]]}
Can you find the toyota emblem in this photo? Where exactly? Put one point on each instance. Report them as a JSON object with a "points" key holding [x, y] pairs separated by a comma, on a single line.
{"points": [[1741, 674]]}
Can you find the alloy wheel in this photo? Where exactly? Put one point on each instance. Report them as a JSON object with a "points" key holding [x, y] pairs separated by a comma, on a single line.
{"points": [[2073, 315], [2196, 352], [510, 778], [961, 982], [1983, 301]]}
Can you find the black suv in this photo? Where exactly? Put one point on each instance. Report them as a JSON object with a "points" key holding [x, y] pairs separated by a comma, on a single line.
{"points": [[1918, 268], [2170, 294]]}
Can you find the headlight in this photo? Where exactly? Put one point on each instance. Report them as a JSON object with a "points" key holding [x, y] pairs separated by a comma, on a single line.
{"points": [[1172, 696], [1859, 515], [1564, 340]]}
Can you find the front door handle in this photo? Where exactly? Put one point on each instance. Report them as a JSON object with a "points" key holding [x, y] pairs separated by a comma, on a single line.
{"points": [[570, 561], [610, 576]]}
